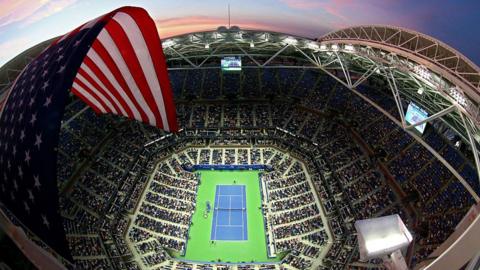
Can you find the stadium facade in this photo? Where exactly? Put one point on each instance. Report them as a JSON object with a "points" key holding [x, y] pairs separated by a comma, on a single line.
{"points": [[352, 85]]}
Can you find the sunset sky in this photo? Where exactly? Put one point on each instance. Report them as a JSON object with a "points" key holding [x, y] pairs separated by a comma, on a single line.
{"points": [[24, 23]]}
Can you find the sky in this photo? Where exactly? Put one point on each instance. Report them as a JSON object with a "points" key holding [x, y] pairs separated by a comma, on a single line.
{"points": [[24, 23]]}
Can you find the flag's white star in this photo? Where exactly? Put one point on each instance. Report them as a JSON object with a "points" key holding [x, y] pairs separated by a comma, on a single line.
{"points": [[30, 195], [34, 119], [32, 100], [45, 85], [45, 221], [22, 135], [48, 101], [61, 69], [37, 181], [27, 208], [27, 157], [38, 141]]}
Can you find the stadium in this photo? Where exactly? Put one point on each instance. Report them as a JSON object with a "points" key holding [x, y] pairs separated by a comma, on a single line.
{"points": [[284, 143]]}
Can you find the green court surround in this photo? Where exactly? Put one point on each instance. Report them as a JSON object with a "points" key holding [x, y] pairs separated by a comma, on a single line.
{"points": [[199, 245]]}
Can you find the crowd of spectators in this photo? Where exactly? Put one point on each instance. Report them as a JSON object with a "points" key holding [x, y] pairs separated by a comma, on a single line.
{"points": [[105, 164]]}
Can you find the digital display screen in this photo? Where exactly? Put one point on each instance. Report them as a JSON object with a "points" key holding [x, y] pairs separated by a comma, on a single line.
{"points": [[416, 114], [231, 63]]}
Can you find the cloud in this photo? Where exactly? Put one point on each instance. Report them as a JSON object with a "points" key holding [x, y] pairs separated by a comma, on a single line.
{"points": [[335, 8], [188, 24], [26, 12], [49, 9], [11, 48], [343, 13]]}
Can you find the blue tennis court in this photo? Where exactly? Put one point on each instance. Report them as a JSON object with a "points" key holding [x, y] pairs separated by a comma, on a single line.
{"points": [[230, 213]]}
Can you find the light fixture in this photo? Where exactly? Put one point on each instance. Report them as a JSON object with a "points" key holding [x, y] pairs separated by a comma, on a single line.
{"points": [[423, 72], [349, 48], [313, 46], [168, 43], [290, 41], [251, 44], [420, 91], [459, 98], [323, 47], [207, 46], [335, 47]]}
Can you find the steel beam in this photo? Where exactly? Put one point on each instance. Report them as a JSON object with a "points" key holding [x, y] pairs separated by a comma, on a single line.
{"points": [[411, 133], [473, 144], [441, 113], [275, 55], [396, 96]]}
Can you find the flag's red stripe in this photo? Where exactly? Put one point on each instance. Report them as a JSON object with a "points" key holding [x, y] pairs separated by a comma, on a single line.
{"points": [[147, 26], [109, 86], [125, 100], [86, 100], [123, 43], [93, 94], [99, 89], [107, 58]]}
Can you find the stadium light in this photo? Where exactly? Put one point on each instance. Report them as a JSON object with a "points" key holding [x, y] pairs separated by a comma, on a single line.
{"points": [[290, 41], [383, 237], [349, 48], [313, 46], [335, 47], [323, 47], [207, 46], [251, 44], [459, 98], [168, 43], [420, 91], [423, 72]]}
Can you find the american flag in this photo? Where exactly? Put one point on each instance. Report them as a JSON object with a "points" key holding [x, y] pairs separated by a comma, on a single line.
{"points": [[116, 65]]}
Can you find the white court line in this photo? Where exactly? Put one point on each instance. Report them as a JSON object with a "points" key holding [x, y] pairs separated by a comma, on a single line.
{"points": [[243, 234], [230, 211], [216, 218]]}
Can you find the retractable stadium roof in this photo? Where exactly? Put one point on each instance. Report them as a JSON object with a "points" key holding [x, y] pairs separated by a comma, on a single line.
{"points": [[414, 68]]}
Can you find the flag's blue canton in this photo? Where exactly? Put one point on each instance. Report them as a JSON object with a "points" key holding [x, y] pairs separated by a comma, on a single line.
{"points": [[29, 130]]}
